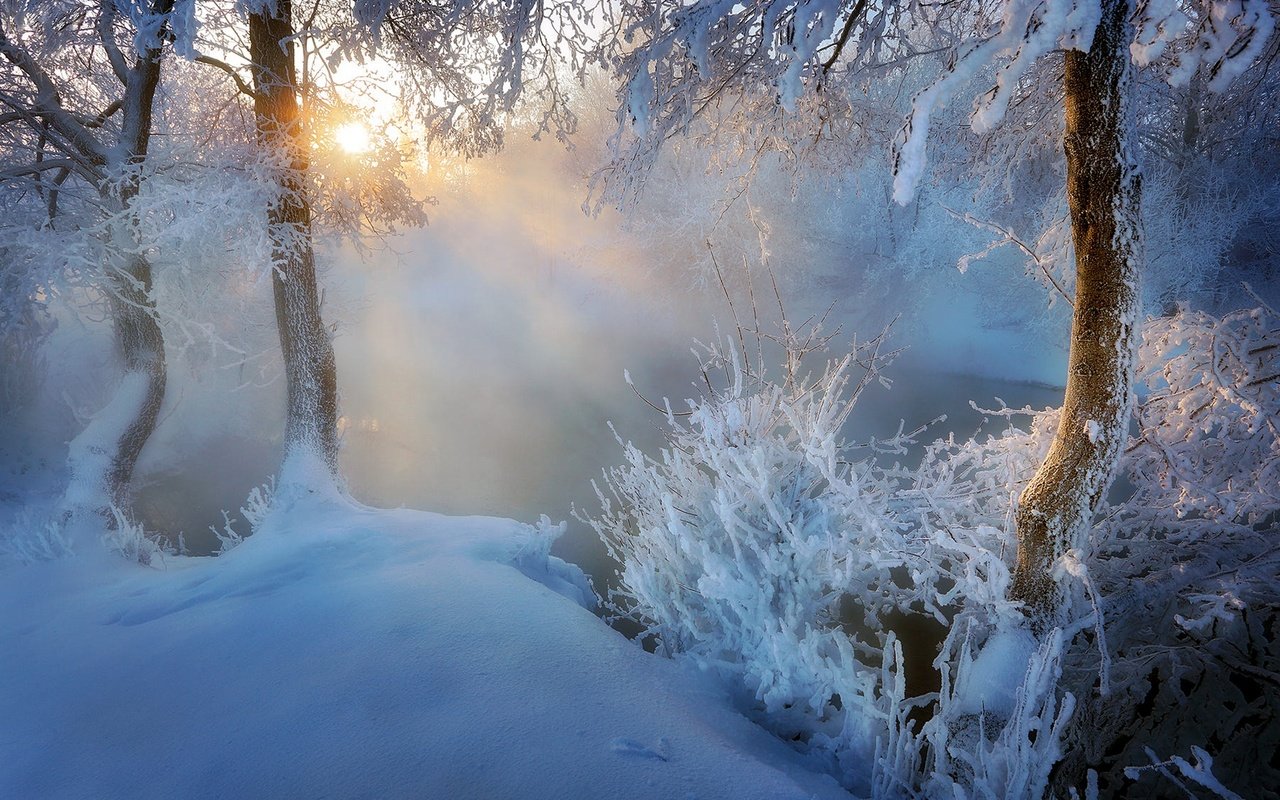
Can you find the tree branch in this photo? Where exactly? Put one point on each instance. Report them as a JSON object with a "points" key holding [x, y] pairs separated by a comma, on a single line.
{"points": [[1010, 238], [52, 202], [105, 35], [241, 84], [37, 168], [46, 103], [844, 34], [107, 113]]}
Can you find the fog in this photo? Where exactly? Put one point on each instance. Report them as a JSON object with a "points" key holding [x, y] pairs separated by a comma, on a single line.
{"points": [[481, 358]]}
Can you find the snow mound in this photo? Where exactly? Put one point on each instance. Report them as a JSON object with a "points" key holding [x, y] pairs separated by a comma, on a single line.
{"points": [[344, 652], [992, 681]]}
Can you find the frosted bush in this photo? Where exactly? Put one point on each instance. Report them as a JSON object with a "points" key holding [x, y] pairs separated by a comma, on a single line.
{"points": [[129, 540], [1169, 643], [1187, 563], [34, 537], [739, 541], [258, 504], [228, 537], [28, 540], [1185, 774], [998, 750], [758, 545], [255, 509], [1208, 439]]}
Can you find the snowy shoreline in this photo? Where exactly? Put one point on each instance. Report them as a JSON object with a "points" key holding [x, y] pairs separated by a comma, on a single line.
{"points": [[343, 652]]}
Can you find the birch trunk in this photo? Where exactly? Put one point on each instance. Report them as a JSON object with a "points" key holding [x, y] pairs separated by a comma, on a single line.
{"points": [[1055, 511]]}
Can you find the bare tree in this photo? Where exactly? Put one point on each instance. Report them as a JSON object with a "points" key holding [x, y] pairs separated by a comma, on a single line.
{"points": [[461, 71]]}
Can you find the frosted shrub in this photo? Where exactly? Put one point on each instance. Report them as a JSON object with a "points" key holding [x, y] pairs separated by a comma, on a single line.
{"points": [[1187, 564], [995, 727], [1208, 438], [228, 537], [742, 540], [975, 745], [258, 504], [29, 540], [1168, 639], [129, 540], [758, 546], [255, 509], [35, 537], [1168, 625]]}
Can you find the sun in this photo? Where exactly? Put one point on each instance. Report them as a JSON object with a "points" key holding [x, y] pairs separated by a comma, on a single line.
{"points": [[353, 137]]}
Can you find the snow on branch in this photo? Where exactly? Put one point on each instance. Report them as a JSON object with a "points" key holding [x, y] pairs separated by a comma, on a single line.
{"points": [[1225, 40], [760, 546]]}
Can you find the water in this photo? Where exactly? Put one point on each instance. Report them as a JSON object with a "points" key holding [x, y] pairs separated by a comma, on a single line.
{"points": [[529, 451], [478, 459]]}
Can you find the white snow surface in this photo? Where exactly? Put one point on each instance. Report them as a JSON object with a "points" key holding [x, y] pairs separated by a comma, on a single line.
{"points": [[992, 682], [90, 453], [1093, 429], [346, 652]]}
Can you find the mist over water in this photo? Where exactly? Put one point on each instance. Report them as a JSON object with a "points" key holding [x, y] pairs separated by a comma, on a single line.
{"points": [[485, 360], [481, 359]]}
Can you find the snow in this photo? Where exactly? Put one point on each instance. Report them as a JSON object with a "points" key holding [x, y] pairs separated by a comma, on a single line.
{"points": [[1093, 430], [992, 682], [1230, 37], [1202, 773], [90, 454], [343, 651]]}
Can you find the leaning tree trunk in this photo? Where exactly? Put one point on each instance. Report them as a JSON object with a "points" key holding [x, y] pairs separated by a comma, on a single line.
{"points": [[310, 370], [138, 333], [141, 343], [1055, 511], [104, 456]]}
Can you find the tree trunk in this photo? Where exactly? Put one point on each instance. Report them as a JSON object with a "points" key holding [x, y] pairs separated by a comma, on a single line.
{"points": [[104, 456], [1055, 512], [138, 333], [141, 343], [310, 370]]}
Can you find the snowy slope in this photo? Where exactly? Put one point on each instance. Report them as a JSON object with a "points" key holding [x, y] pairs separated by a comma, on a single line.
{"points": [[346, 652]]}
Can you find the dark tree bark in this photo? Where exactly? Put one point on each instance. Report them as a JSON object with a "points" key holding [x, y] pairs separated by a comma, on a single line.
{"points": [[310, 369], [1055, 511]]}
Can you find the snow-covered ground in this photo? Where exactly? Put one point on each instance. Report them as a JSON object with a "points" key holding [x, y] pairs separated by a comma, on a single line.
{"points": [[344, 651]]}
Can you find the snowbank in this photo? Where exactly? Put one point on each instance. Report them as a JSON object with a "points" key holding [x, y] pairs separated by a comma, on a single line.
{"points": [[347, 652]]}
